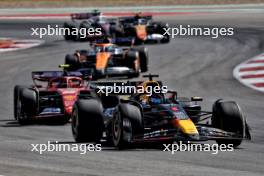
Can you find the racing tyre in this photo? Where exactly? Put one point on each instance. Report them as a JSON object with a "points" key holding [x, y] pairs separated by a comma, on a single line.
{"points": [[72, 61], [17, 103], [28, 104], [116, 31], [127, 122], [228, 117], [166, 39], [87, 120], [160, 29], [133, 63], [70, 26], [144, 57]]}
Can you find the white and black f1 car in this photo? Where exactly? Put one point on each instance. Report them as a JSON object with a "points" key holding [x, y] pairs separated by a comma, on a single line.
{"points": [[90, 27]]}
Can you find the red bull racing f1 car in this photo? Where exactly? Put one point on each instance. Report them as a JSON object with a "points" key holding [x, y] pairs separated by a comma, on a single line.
{"points": [[160, 118]]}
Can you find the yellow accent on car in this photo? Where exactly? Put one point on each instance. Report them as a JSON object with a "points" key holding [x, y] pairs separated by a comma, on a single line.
{"points": [[187, 126], [64, 66], [150, 83]]}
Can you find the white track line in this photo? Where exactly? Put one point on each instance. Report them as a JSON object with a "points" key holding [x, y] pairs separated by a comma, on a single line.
{"points": [[251, 73]]}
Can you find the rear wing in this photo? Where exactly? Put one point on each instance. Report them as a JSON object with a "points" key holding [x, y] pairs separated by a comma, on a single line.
{"points": [[147, 17], [47, 75], [84, 72], [131, 19], [83, 16]]}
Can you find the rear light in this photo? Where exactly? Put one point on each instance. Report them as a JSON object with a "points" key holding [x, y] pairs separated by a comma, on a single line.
{"points": [[174, 108]]}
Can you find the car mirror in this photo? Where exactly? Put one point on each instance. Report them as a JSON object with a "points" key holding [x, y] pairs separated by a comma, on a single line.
{"points": [[173, 96]]}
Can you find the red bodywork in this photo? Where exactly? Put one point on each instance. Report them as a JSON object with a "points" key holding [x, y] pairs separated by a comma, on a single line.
{"points": [[67, 85], [69, 88]]}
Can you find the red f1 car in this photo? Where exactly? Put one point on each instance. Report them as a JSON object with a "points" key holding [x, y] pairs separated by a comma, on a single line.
{"points": [[52, 96]]}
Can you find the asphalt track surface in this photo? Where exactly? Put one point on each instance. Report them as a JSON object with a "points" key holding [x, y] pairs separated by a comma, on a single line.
{"points": [[198, 66]]}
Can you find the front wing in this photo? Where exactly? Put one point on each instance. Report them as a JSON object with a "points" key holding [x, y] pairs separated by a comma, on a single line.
{"points": [[205, 133]]}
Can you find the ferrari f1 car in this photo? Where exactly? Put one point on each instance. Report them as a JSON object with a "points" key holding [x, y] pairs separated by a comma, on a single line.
{"points": [[142, 29], [160, 118], [51, 97], [107, 59]]}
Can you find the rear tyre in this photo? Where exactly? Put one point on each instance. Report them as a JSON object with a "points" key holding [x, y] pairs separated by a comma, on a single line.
{"points": [[70, 26], [87, 120], [116, 31], [72, 61], [28, 105], [127, 122], [160, 29], [133, 63], [17, 104], [144, 58], [166, 39], [228, 117]]}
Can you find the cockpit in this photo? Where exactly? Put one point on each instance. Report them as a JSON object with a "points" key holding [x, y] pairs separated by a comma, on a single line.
{"points": [[140, 21], [66, 82], [108, 48], [98, 20]]}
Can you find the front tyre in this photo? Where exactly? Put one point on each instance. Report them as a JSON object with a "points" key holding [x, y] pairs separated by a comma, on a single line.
{"points": [[227, 116], [87, 120], [144, 58], [28, 104], [127, 122]]}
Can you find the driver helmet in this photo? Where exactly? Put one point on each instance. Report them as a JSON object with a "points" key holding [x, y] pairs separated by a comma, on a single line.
{"points": [[96, 12], [74, 83], [155, 99]]}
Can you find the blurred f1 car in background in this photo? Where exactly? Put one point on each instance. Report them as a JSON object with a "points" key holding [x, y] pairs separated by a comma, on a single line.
{"points": [[90, 27], [136, 29], [51, 97], [142, 29], [107, 60], [158, 118]]}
